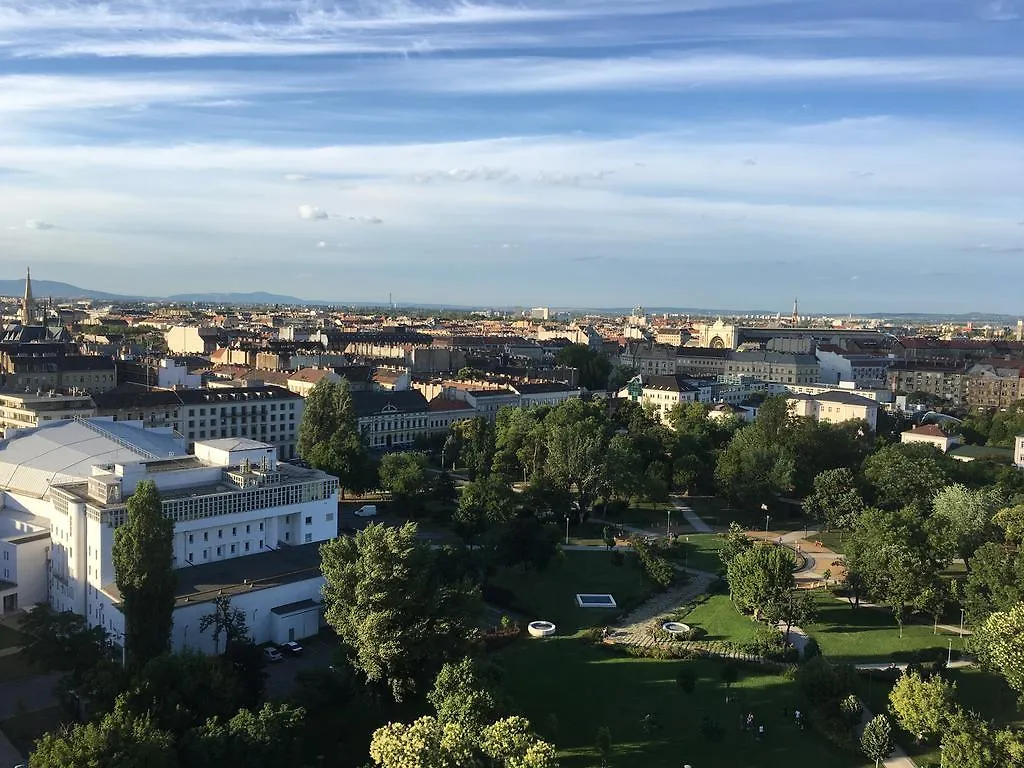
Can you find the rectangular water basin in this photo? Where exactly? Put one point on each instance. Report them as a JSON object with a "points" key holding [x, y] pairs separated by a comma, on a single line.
{"points": [[585, 600]]}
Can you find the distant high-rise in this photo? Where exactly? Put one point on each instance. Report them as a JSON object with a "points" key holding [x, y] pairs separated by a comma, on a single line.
{"points": [[26, 304]]}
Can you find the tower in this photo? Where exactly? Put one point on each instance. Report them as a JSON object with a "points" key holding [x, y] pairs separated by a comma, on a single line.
{"points": [[796, 313], [26, 305]]}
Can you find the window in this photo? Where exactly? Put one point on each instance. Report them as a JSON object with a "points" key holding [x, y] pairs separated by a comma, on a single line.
{"points": [[261, 543], [206, 554], [233, 548], [234, 531], [248, 528], [309, 520], [190, 538], [330, 516], [220, 551], [220, 533], [247, 546], [206, 536], [287, 536], [307, 538], [261, 526]]}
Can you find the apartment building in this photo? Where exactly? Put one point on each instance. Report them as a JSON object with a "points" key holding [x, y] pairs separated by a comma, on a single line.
{"points": [[701, 361], [835, 407], [245, 525], [266, 413], [944, 382], [995, 384], [660, 393], [778, 367], [60, 372], [391, 420], [23, 410], [840, 366], [649, 359]]}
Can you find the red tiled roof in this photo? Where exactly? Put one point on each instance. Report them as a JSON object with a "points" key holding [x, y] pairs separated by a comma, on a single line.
{"points": [[443, 404], [928, 430]]}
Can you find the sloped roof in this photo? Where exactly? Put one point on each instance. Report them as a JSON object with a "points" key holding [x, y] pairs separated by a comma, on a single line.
{"points": [[65, 451]]}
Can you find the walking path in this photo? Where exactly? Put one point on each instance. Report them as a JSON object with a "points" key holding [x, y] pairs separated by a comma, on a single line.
{"points": [[695, 520]]}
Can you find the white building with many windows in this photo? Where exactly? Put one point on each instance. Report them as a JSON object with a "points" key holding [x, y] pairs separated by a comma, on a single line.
{"points": [[245, 524]]}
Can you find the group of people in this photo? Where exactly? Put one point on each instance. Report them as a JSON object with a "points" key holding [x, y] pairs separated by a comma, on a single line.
{"points": [[758, 728]]}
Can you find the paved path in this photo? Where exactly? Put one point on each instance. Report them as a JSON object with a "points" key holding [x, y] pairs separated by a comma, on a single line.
{"points": [[695, 520], [34, 693]]}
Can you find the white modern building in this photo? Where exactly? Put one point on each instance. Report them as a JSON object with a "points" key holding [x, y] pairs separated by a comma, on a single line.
{"points": [[1018, 451], [245, 525]]}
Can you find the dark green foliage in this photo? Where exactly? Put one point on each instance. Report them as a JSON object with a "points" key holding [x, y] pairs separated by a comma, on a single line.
{"points": [[329, 437], [143, 571], [656, 568], [592, 365]]}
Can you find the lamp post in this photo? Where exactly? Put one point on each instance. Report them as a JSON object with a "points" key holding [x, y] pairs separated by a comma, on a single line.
{"points": [[961, 623], [949, 655], [668, 525], [567, 529], [767, 518]]}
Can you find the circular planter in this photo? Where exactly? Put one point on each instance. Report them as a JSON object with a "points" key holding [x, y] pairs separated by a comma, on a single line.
{"points": [[540, 628], [675, 627]]}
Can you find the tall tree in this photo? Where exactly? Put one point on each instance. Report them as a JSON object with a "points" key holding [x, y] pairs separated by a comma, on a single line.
{"points": [[329, 437], [466, 692], [224, 621], [999, 643], [405, 476], [63, 641], [922, 705], [962, 519], [143, 571], [760, 577], [754, 468], [485, 503], [475, 445], [900, 475], [876, 741], [836, 500], [592, 365], [386, 600], [576, 447]]}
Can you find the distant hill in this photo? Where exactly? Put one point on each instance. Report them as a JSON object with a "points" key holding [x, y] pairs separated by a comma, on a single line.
{"points": [[42, 289], [257, 297]]}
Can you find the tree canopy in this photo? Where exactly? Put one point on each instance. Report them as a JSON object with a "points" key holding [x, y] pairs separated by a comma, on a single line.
{"points": [[143, 571], [329, 437], [593, 366]]}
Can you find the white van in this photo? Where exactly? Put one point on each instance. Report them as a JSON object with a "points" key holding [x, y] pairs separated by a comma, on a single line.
{"points": [[367, 510]]}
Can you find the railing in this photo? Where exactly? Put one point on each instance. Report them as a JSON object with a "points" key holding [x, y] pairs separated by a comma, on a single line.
{"points": [[85, 420]]}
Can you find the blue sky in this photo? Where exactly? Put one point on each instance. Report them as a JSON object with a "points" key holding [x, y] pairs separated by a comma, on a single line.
{"points": [[864, 155]]}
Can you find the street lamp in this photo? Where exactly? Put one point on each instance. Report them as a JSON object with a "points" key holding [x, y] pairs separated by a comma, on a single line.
{"points": [[949, 656], [961, 623], [567, 529], [668, 526]]}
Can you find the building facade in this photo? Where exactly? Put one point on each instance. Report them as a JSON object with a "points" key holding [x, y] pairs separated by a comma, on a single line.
{"points": [[25, 410]]}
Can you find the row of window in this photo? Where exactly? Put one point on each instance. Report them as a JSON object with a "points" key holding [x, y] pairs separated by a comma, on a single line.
{"points": [[240, 409], [220, 533]]}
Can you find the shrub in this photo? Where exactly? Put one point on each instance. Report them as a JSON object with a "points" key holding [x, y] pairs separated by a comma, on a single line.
{"points": [[501, 597], [811, 649], [656, 568], [767, 643], [829, 722]]}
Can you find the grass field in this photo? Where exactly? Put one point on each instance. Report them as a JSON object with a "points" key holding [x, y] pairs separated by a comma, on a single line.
{"points": [[834, 540], [871, 635], [23, 730], [551, 594], [702, 551], [719, 618], [568, 689]]}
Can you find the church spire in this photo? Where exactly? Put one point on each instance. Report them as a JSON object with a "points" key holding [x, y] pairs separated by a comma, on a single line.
{"points": [[796, 312], [26, 306]]}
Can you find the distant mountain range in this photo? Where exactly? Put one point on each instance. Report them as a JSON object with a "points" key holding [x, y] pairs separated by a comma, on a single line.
{"points": [[43, 289]]}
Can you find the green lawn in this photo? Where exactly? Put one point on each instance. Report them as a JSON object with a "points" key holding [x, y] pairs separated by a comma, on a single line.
{"points": [[568, 689], [719, 512], [702, 551], [870, 635], [551, 594], [834, 540], [23, 730], [587, 533], [719, 618]]}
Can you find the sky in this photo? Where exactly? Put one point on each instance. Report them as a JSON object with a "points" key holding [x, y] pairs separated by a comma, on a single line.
{"points": [[862, 155]]}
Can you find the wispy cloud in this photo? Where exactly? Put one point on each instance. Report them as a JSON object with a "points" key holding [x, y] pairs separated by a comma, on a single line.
{"points": [[1000, 10], [37, 224]]}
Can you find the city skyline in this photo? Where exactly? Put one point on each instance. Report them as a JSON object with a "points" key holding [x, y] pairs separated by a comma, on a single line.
{"points": [[688, 152]]}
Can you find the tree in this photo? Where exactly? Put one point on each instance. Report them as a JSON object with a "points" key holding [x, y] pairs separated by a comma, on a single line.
{"points": [[226, 621], [968, 742], [593, 366], [405, 476], [962, 519], [686, 680], [796, 608], [143, 571], [576, 448], [63, 641], [486, 503], [384, 597], [835, 501], [429, 743], [265, 738], [876, 741], [122, 739], [475, 445], [729, 673], [329, 437], [922, 706], [759, 578], [995, 582], [753, 468], [999, 643], [735, 541], [466, 693], [903, 474]]}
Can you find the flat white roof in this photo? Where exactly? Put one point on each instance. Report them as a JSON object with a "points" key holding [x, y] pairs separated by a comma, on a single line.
{"points": [[234, 444]]}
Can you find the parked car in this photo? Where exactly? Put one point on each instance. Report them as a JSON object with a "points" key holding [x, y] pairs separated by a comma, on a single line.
{"points": [[272, 654], [367, 510], [291, 647]]}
